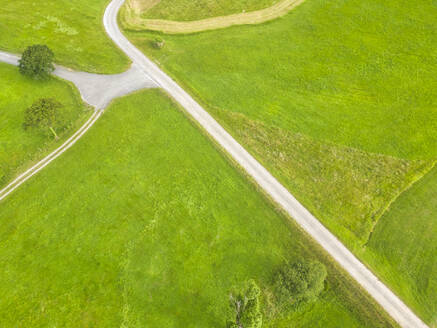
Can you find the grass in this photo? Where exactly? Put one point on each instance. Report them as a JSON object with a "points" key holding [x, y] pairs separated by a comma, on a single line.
{"points": [[346, 72], [19, 147], [189, 10], [347, 89], [407, 252], [153, 230], [348, 189], [72, 29]]}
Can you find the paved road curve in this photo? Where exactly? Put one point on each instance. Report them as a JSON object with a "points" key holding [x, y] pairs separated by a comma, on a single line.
{"points": [[387, 299]]}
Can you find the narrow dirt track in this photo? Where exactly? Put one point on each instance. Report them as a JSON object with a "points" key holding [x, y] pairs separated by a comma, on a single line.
{"points": [[132, 20]]}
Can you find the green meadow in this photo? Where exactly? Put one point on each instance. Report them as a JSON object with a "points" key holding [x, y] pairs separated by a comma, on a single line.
{"points": [[337, 99], [355, 73], [72, 29], [20, 147], [404, 243], [145, 223], [188, 10]]}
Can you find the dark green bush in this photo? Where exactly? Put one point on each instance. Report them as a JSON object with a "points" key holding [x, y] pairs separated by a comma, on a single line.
{"points": [[299, 281], [158, 43]]}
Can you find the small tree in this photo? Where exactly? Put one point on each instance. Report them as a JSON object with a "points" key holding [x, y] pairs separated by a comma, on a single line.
{"points": [[37, 62], [43, 113], [246, 308], [300, 281]]}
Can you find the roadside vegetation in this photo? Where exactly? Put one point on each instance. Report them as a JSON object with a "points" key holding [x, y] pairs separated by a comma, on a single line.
{"points": [[347, 188], [20, 146], [72, 29], [157, 229], [342, 112]]}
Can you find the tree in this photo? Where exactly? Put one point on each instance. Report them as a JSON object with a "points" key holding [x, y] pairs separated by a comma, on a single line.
{"points": [[43, 113], [245, 306], [37, 62], [300, 281]]}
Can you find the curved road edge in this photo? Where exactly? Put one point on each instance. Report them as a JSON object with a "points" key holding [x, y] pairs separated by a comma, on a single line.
{"points": [[381, 293]]}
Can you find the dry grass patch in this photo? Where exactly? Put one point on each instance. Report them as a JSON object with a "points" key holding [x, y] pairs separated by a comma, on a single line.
{"points": [[132, 19], [140, 6]]}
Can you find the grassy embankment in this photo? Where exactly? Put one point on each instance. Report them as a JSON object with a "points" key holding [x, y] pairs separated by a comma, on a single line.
{"points": [[336, 99], [145, 223], [72, 29], [20, 147]]}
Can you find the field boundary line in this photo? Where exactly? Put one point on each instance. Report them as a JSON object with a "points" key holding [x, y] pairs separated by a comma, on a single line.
{"points": [[131, 19], [430, 166]]}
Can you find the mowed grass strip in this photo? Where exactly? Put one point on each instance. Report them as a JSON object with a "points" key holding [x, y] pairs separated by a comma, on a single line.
{"points": [[20, 147], [356, 73], [131, 19], [72, 29], [405, 244], [144, 223], [189, 10]]}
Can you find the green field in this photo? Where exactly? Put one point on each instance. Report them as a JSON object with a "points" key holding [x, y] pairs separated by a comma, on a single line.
{"points": [[19, 147], [188, 10], [409, 252], [145, 223], [346, 187], [72, 29], [347, 72], [336, 99]]}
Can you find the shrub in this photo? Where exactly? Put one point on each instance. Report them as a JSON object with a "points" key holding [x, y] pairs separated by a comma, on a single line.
{"points": [[37, 62], [245, 306], [300, 281], [158, 43]]}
